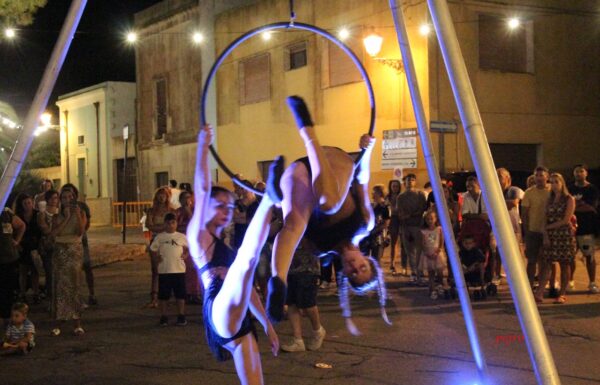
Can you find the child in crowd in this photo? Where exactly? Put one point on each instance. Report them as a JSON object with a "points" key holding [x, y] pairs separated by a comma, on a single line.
{"points": [[169, 250], [20, 331], [473, 261], [302, 290], [432, 257]]}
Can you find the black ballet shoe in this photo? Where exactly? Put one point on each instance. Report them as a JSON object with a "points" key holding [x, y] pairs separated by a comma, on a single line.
{"points": [[300, 111], [276, 299], [274, 179]]}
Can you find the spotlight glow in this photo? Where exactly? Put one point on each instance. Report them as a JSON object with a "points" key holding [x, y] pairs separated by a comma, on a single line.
{"points": [[424, 29], [197, 38], [344, 33], [514, 23], [10, 33], [46, 119], [266, 36], [131, 37]]}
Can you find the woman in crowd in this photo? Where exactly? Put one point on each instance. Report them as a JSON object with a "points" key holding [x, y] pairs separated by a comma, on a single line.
{"points": [[155, 223], [68, 227], [184, 215], [394, 189], [228, 277], [559, 237], [13, 229], [25, 211], [327, 200], [46, 245]]}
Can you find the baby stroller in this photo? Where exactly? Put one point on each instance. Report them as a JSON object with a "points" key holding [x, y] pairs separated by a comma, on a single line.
{"points": [[479, 230]]}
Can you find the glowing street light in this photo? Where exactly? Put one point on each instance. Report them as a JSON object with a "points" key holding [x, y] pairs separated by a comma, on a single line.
{"points": [[197, 38], [131, 37], [266, 36], [46, 119], [514, 23], [373, 44], [424, 30], [343, 34], [10, 33]]}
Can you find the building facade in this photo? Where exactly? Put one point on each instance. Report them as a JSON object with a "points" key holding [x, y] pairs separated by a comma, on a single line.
{"points": [[536, 85], [92, 145]]}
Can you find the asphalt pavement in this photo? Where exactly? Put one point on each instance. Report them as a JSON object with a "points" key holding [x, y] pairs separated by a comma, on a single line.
{"points": [[427, 343]]}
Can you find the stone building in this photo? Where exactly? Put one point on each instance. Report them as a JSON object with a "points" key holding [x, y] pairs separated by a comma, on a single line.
{"points": [[536, 85], [92, 147]]}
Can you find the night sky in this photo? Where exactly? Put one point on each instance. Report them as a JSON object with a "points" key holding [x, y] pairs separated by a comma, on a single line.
{"points": [[97, 54]]}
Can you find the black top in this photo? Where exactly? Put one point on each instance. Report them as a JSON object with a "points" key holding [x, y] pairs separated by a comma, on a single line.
{"points": [[469, 257], [586, 220], [223, 256], [32, 234], [326, 236]]}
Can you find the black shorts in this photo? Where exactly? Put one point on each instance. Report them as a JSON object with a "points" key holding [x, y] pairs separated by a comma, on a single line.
{"points": [[302, 290], [168, 283]]}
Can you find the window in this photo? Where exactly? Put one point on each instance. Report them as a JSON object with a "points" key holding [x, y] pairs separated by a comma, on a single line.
{"points": [[341, 67], [255, 80], [162, 178], [295, 56], [81, 140], [160, 111], [503, 49], [263, 168]]}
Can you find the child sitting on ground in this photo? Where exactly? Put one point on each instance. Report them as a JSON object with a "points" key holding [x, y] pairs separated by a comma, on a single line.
{"points": [[169, 250], [473, 261], [20, 331], [302, 290], [432, 258]]}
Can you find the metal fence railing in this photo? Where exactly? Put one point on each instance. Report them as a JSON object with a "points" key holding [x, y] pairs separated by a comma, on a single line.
{"points": [[135, 212]]}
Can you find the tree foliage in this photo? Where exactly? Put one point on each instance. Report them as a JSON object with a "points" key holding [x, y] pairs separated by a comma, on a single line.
{"points": [[19, 12]]}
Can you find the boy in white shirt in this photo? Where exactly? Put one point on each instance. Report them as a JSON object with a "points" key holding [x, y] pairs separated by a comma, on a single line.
{"points": [[169, 250]]}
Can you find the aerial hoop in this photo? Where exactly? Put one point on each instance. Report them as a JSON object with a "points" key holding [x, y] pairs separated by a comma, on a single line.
{"points": [[281, 25]]}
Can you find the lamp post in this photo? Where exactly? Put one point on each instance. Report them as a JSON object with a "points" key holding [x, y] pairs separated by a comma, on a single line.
{"points": [[125, 137], [373, 43]]}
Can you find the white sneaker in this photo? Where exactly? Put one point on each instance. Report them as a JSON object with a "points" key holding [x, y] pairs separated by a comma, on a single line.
{"points": [[315, 342], [434, 295], [324, 285], [593, 288], [297, 345]]}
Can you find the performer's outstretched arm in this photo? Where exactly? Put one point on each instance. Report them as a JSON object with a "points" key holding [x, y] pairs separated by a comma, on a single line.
{"points": [[202, 187]]}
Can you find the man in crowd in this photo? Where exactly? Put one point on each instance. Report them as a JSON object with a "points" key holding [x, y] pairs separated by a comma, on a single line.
{"points": [[534, 219], [586, 210], [411, 204]]}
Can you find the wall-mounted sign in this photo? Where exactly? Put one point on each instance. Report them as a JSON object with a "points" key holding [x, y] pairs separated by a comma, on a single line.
{"points": [[399, 149]]}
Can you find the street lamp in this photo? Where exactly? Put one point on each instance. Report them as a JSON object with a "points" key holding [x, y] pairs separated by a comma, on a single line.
{"points": [[197, 38], [10, 33], [373, 43], [131, 37]]}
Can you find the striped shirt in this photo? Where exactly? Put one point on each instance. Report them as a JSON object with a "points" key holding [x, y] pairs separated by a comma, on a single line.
{"points": [[15, 333]]}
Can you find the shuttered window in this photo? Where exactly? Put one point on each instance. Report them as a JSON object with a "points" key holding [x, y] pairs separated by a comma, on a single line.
{"points": [[255, 79]]}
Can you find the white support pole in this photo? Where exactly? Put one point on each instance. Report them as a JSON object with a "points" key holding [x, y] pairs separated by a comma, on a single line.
{"points": [[13, 168], [438, 192], [529, 317]]}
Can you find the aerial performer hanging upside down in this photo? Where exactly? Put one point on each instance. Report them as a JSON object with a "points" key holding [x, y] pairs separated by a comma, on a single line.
{"points": [[326, 200], [229, 295]]}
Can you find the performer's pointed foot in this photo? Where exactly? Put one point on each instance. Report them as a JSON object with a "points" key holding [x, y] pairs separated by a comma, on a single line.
{"points": [[274, 179], [276, 299], [300, 111]]}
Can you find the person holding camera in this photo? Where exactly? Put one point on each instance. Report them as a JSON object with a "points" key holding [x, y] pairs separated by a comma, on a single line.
{"points": [[67, 260]]}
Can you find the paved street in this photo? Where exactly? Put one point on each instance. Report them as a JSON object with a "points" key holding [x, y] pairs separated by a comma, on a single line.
{"points": [[427, 343]]}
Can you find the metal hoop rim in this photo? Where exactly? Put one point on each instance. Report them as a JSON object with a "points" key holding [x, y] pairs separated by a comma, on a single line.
{"points": [[281, 25]]}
